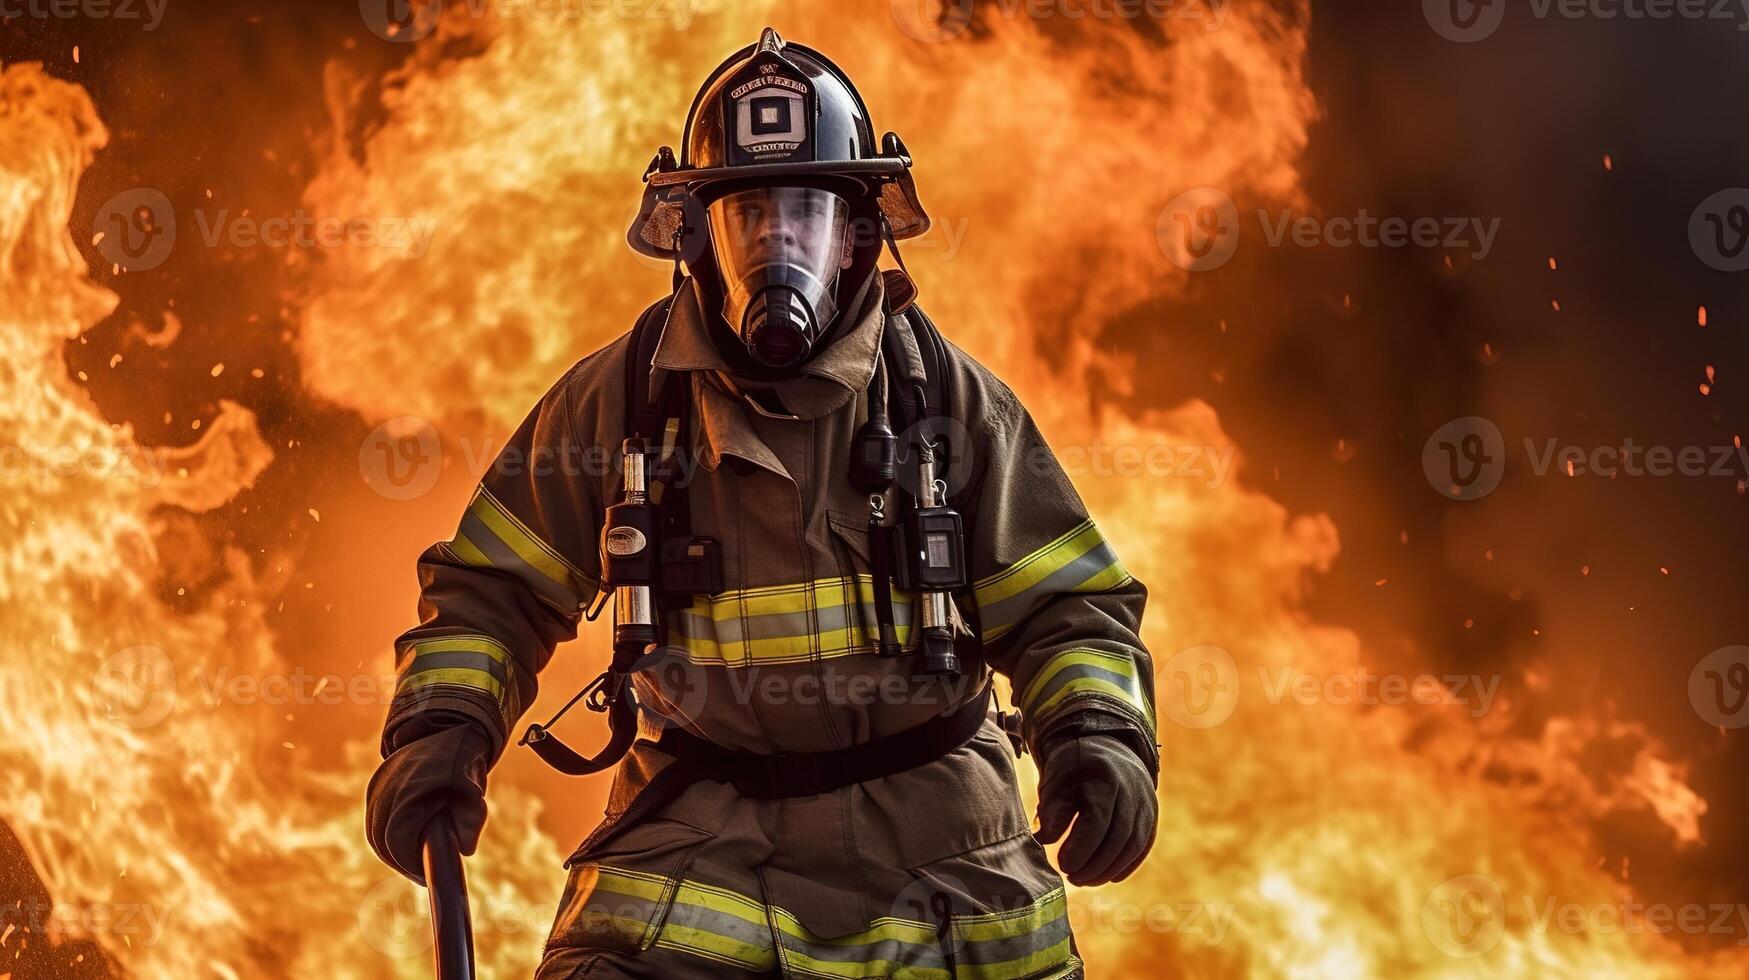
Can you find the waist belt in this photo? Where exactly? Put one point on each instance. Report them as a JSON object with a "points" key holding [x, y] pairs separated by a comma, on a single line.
{"points": [[763, 775], [773, 776]]}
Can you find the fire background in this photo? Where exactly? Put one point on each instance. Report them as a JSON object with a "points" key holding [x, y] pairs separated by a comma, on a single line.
{"points": [[1396, 346]]}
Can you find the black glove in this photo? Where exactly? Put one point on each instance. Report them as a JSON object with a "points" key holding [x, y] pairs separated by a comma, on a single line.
{"points": [[440, 766], [1099, 781]]}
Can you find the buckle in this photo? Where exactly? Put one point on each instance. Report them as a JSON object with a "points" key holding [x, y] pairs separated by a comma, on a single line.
{"points": [[1010, 722]]}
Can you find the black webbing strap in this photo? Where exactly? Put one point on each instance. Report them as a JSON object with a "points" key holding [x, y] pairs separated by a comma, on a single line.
{"points": [[611, 692], [640, 412], [792, 774], [785, 774]]}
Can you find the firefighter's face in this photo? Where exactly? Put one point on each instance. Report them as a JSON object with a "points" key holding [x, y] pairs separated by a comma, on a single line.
{"points": [[779, 250], [803, 227]]}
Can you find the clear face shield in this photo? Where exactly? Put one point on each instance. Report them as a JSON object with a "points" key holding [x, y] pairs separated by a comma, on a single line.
{"points": [[779, 250]]}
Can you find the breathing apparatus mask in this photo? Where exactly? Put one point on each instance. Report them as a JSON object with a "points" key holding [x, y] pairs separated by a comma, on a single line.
{"points": [[779, 251]]}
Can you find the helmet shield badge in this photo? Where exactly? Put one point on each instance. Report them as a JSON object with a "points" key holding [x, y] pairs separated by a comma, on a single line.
{"points": [[779, 250]]}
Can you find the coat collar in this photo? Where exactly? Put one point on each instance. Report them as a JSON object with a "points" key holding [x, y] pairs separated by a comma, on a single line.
{"points": [[827, 381]]}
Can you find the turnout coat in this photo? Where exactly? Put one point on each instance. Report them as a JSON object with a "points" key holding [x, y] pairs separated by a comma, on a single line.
{"points": [[932, 872]]}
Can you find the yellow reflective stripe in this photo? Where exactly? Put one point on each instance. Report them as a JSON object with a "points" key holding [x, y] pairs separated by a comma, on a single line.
{"points": [[703, 942], [468, 553], [528, 546], [801, 609], [710, 946], [1015, 969], [721, 900], [900, 930], [1029, 571], [1079, 561], [1014, 922], [801, 963], [464, 676], [1083, 671], [469, 642], [637, 884], [683, 932]]}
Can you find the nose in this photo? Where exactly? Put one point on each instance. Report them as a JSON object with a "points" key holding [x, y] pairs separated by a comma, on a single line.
{"points": [[775, 231]]}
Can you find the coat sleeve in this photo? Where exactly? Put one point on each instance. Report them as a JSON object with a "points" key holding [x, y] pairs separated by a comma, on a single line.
{"points": [[1057, 612], [511, 584]]}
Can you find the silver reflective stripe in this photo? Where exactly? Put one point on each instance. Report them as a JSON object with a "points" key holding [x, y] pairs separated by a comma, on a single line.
{"points": [[505, 558], [1001, 615]]}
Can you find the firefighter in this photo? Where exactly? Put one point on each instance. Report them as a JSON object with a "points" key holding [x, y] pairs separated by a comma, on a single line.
{"points": [[824, 785]]}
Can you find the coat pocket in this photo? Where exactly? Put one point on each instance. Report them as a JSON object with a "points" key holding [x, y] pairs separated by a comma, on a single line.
{"points": [[618, 893]]}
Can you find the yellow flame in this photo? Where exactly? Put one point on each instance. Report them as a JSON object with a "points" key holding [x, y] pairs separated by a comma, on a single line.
{"points": [[1295, 841]]}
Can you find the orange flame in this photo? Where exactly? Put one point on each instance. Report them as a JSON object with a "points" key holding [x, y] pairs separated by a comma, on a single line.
{"points": [[1296, 840]]}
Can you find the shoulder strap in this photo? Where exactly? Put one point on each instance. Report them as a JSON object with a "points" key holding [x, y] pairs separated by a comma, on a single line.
{"points": [[934, 351], [640, 412], [662, 419]]}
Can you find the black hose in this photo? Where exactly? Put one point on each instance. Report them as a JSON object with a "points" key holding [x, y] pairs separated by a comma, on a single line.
{"points": [[450, 922]]}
